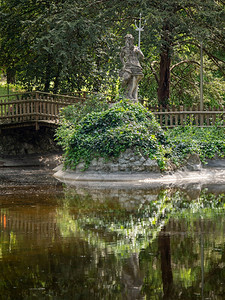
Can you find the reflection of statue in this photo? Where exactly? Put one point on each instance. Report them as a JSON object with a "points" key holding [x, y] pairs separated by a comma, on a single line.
{"points": [[132, 279], [131, 73]]}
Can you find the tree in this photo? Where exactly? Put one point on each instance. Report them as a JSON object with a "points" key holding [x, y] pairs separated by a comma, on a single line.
{"points": [[64, 45], [174, 26], [172, 36], [15, 49], [55, 45]]}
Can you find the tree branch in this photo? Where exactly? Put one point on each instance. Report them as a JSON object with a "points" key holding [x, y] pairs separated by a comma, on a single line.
{"points": [[180, 79], [184, 62], [154, 71]]}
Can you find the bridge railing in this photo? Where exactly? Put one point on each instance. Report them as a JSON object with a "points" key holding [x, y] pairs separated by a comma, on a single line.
{"points": [[170, 117], [34, 107], [38, 107]]}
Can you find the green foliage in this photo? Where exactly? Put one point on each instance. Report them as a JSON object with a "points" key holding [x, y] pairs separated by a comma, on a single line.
{"points": [[96, 129], [65, 45], [55, 45], [72, 114], [109, 132], [207, 142]]}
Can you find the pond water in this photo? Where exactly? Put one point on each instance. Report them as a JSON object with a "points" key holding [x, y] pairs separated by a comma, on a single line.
{"points": [[62, 242]]}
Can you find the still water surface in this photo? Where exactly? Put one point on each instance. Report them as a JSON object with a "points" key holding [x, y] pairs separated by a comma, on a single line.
{"points": [[62, 242]]}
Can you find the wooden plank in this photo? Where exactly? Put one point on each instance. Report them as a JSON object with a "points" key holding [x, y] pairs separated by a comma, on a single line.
{"points": [[161, 116], [166, 117], [16, 111], [201, 117], [181, 115], [52, 111], [37, 112]]}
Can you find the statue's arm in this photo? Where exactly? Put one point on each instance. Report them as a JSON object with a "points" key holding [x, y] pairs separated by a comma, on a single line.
{"points": [[140, 54], [122, 54]]}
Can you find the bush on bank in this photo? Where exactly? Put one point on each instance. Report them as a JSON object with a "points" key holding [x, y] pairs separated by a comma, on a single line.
{"points": [[207, 142], [109, 132], [97, 129]]}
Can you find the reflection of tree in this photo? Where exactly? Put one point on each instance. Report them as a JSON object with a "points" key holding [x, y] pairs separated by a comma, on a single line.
{"points": [[166, 268], [127, 245], [136, 226], [133, 228]]}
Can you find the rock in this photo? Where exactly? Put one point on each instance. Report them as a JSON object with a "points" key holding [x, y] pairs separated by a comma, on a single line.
{"points": [[138, 168], [114, 168], [122, 161], [126, 162], [127, 154], [100, 161], [142, 159], [123, 167], [27, 140], [151, 165], [94, 162], [80, 166], [193, 163]]}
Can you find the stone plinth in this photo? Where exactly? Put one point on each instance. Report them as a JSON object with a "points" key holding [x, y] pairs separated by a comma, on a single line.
{"points": [[128, 161]]}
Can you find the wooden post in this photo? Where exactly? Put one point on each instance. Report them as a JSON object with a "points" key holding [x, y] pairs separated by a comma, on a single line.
{"points": [[201, 119], [36, 111], [160, 116], [171, 117], [181, 116], [176, 116]]}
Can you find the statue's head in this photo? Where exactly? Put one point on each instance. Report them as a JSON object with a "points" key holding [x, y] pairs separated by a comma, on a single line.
{"points": [[129, 39]]}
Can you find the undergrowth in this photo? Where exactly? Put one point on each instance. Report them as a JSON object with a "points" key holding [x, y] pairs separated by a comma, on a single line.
{"points": [[108, 132], [207, 142], [96, 129]]}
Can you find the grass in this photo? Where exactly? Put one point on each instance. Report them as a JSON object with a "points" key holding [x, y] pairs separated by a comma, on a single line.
{"points": [[4, 90]]}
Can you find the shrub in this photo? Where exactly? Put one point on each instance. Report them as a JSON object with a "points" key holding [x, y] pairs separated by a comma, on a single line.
{"points": [[207, 142], [96, 129], [109, 132]]}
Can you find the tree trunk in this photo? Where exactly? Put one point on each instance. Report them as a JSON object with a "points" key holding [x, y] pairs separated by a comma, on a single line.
{"points": [[165, 62], [11, 75], [56, 81], [164, 78]]}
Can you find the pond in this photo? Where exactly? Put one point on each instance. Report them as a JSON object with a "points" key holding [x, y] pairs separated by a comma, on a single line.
{"points": [[90, 242]]}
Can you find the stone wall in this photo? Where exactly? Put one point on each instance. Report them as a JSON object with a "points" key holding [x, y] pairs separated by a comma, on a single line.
{"points": [[27, 140], [128, 161]]}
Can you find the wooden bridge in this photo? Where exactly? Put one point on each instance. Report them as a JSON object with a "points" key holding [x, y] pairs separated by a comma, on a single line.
{"points": [[33, 109], [38, 108]]}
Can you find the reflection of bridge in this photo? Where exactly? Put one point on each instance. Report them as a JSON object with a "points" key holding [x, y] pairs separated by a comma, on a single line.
{"points": [[29, 221], [33, 109]]}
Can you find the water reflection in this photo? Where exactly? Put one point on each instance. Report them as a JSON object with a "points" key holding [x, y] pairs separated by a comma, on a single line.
{"points": [[118, 243]]}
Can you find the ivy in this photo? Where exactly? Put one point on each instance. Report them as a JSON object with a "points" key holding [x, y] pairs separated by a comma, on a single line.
{"points": [[109, 132], [208, 142], [95, 129]]}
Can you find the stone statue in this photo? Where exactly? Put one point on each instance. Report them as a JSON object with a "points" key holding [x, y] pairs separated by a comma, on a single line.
{"points": [[131, 73]]}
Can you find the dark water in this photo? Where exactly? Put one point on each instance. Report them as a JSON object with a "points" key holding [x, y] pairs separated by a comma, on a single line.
{"points": [[61, 242]]}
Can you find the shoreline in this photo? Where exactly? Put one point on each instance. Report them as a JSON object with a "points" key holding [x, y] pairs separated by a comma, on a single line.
{"points": [[212, 173]]}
